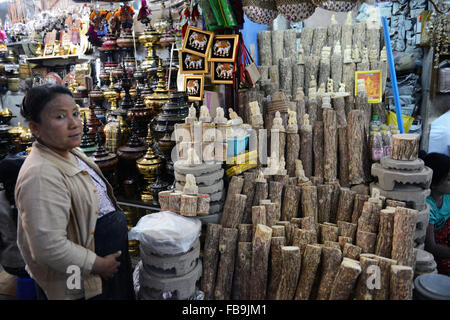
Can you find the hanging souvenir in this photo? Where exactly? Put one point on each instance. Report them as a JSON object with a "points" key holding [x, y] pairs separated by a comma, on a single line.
{"points": [[260, 11], [295, 10], [249, 72], [144, 13], [337, 6]]}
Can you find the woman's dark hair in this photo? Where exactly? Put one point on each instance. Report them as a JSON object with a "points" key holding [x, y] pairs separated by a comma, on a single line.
{"points": [[38, 97], [440, 164]]}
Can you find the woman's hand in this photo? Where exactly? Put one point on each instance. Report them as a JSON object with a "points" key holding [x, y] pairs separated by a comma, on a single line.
{"points": [[107, 266]]}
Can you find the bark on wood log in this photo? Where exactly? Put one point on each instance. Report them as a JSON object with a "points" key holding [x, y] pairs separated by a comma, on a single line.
{"points": [[359, 35], [355, 134], [227, 249], [319, 40], [235, 187], [334, 199], [258, 217], [324, 71], [311, 69], [405, 146], [260, 260], [395, 203], [332, 244], [275, 266], [345, 205], [292, 195], [344, 240], [318, 148], [285, 68], [401, 283], [242, 272], [362, 291], [328, 233], [164, 200], [309, 202], [348, 78], [292, 152], [307, 40], [385, 267], [277, 45], [175, 201], [315, 181], [403, 238], [276, 195], [290, 271], [324, 193], [343, 157], [345, 279], [364, 65], [360, 199], [234, 214], [336, 70], [188, 205], [298, 78], [283, 179], [265, 47], [261, 192], [278, 231], [203, 203], [248, 189], [309, 271], [302, 238], [334, 34], [370, 218], [346, 35], [331, 259], [347, 229], [361, 103], [210, 259], [271, 214], [290, 231], [312, 110], [351, 251], [366, 240], [385, 234], [330, 145], [306, 151], [308, 223], [245, 232]]}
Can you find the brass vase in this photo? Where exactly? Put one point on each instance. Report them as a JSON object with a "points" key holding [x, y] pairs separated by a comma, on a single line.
{"points": [[160, 96]]}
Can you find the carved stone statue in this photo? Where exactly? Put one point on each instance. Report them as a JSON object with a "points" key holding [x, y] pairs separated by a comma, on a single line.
{"points": [[333, 19], [190, 188], [355, 54], [204, 114], [348, 20], [321, 89], [300, 172], [300, 94], [341, 92], [292, 122], [256, 116], [220, 116], [337, 49], [260, 177], [192, 159], [277, 122], [306, 120], [282, 169], [192, 117], [330, 84]]}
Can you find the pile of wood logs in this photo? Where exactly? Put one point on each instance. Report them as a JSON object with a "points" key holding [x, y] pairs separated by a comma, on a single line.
{"points": [[279, 242]]}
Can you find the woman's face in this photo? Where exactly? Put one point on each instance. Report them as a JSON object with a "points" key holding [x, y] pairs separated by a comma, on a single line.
{"points": [[444, 186], [60, 126]]}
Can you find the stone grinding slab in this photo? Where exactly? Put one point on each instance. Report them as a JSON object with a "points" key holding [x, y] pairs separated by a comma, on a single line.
{"points": [[216, 187], [203, 179], [387, 178], [413, 196], [196, 170], [389, 163]]}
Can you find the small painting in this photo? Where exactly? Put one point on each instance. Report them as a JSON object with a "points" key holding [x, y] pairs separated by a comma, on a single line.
{"points": [[224, 48], [197, 41], [192, 64], [222, 72], [193, 86], [373, 82]]}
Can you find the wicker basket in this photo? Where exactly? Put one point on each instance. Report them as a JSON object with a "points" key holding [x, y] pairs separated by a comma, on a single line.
{"points": [[295, 10], [337, 6], [260, 11]]}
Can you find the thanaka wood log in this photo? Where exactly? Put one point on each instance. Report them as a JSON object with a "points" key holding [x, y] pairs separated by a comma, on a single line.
{"points": [[292, 152], [395, 203], [366, 240], [385, 266], [245, 232], [260, 261], [309, 271], [312, 110], [358, 205], [324, 194], [318, 145], [278, 231], [225, 270], [308, 223], [334, 199], [210, 259], [276, 195], [385, 234], [234, 214], [306, 150], [275, 266], [331, 259], [351, 251], [403, 238], [292, 196], [343, 240], [370, 218], [242, 272], [401, 283], [405, 146], [261, 192], [271, 213], [328, 233], [235, 187], [339, 106], [345, 279], [290, 231], [332, 244], [355, 134], [315, 181], [290, 271], [343, 157], [248, 189], [297, 222], [258, 217], [347, 229], [188, 206], [330, 145], [309, 202], [284, 179], [368, 268], [345, 205], [302, 238]]}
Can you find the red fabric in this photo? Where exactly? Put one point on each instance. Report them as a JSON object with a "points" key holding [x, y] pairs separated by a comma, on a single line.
{"points": [[442, 237]]}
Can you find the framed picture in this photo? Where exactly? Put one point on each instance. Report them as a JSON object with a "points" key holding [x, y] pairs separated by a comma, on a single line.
{"points": [[48, 49], [193, 86], [222, 72], [197, 41], [224, 48], [373, 81], [192, 64]]}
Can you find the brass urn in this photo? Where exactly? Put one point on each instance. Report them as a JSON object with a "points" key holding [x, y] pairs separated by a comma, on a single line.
{"points": [[148, 39], [160, 96]]}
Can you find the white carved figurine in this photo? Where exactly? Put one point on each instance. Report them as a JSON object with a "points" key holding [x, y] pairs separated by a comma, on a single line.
{"points": [[192, 159], [355, 54], [305, 120], [333, 19], [260, 177], [300, 94], [191, 118], [282, 169], [337, 49], [220, 116], [272, 164], [348, 20], [348, 54], [330, 85], [277, 122], [321, 89], [204, 114], [299, 171], [292, 122], [190, 188]]}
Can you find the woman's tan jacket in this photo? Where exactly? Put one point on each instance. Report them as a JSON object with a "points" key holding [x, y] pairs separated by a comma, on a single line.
{"points": [[57, 206]]}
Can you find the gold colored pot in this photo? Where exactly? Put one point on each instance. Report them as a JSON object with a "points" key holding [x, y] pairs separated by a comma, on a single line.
{"points": [[13, 84]]}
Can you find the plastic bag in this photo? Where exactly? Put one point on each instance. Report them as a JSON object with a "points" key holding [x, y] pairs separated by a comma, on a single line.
{"points": [[166, 233], [392, 119]]}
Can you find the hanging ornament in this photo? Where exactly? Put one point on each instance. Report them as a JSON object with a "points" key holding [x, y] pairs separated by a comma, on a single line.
{"points": [[295, 10], [337, 6], [144, 13], [262, 12]]}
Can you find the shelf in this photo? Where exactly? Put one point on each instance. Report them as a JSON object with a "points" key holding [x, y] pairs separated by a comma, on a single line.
{"points": [[59, 60]]}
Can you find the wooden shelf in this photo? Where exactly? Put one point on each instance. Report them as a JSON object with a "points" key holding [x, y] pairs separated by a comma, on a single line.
{"points": [[59, 60]]}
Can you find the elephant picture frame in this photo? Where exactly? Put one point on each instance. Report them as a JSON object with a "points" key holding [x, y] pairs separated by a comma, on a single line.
{"points": [[193, 86], [192, 64], [197, 41], [222, 72], [224, 48]]}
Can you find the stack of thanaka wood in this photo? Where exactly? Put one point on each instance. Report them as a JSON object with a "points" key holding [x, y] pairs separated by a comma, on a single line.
{"points": [[286, 240]]}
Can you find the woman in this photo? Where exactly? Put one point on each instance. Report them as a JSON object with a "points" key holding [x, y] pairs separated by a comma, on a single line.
{"points": [[71, 233], [438, 232]]}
